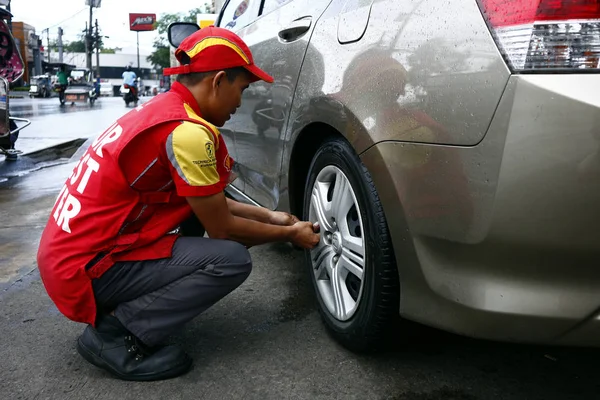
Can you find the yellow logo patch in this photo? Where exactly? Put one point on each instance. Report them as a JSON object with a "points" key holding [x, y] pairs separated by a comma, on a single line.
{"points": [[210, 151]]}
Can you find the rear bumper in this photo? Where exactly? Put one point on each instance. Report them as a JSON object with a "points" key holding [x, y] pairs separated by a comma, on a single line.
{"points": [[502, 240]]}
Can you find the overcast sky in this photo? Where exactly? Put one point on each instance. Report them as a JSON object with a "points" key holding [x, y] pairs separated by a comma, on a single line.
{"points": [[113, 18]]}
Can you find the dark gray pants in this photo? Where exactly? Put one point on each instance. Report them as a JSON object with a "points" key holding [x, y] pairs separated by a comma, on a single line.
{"points": [[155, 298]]}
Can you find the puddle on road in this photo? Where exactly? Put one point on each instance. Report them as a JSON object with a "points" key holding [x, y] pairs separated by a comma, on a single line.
{"points": [[48, 107], [49, 157]]}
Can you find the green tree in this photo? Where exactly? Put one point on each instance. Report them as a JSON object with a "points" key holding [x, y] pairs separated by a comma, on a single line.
{"points": [[109, 50], [160, 57], [76, 46]]}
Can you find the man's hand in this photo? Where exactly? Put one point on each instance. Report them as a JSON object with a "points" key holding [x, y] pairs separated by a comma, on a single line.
{"points": [[282, 218], [304, 236]]}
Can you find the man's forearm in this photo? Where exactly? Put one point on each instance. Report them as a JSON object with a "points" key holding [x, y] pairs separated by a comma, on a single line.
{"points": [[248, 211], [253, 233], [221, 223]]}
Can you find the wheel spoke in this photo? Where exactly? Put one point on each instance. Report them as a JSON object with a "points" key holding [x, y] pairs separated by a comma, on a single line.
{"points": [[353, 243], [342, 200], [322, 260], [354, 263], [337, 286], [319, 203]]}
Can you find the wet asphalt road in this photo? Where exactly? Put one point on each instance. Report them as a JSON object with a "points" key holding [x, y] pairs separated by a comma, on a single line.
{"points": [[264, 341], [52, 124]]}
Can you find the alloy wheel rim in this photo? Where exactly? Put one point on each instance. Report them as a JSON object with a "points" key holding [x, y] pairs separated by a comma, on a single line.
{"points": [[338, 261]]}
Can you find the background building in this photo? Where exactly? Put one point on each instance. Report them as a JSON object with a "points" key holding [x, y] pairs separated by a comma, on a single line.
{"points": [[28, 44]]}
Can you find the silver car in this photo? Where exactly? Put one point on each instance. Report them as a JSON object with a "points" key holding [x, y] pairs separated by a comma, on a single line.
{"points": [[449, 151]]}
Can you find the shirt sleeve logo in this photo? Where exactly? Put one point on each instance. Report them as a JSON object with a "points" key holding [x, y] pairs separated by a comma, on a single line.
{"points": [[227, 163], [210, 151]]}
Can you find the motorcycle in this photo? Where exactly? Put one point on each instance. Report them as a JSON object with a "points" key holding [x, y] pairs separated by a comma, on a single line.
{"points": [[11, 70], [60, 89], [129, 95]]}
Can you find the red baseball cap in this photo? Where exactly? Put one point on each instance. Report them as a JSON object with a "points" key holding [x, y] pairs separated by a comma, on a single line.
{"points": [[213, 49]]}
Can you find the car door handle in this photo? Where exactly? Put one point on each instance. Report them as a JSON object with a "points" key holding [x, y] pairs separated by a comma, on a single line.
{"points": [[295, 30]]}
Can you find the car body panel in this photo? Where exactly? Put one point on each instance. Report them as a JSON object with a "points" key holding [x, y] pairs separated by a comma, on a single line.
{"points": [[261, 121], [523, 263], [436, 85]]}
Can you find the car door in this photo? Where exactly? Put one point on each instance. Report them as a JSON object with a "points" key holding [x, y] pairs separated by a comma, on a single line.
{"points": [[278, 39]]}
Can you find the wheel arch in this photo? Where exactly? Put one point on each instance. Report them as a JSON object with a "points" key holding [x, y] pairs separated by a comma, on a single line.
{"points": [[305, 146]]}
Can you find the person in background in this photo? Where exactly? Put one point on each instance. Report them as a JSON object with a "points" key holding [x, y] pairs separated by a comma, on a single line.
{"points": [[97, 82], [62, 77], [130, 78]]}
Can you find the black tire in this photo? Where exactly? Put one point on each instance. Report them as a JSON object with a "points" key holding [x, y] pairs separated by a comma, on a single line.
{"points": [[378, 308]]}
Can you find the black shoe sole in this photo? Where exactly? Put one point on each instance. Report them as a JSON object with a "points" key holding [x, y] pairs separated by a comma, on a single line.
{"points": [[99, 362]]}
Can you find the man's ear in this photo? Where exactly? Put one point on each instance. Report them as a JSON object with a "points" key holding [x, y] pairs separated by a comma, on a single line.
{"points": [[218, 79]]}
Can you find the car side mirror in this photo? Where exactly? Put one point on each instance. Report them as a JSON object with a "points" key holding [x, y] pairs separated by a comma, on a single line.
{"points": [[4, 117], [178, 31]]}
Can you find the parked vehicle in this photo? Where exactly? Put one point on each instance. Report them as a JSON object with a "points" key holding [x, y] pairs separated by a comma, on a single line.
{"points": [[448, 150], [81, 88], [11, 70], [41, 86], [106, 89]]}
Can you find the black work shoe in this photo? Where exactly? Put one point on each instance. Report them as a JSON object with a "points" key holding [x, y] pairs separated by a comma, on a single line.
{"points": [[111, 347]]}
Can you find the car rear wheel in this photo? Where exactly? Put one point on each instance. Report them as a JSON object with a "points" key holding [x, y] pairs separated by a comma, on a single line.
{"points": [[353, 268]]}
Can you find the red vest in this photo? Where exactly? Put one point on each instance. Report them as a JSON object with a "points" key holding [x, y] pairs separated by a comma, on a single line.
{"points": [[80, 226]]}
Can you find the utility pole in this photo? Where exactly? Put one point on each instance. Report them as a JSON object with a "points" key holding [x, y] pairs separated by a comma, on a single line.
{"points": [[35, 43], [48, 41], [97, 39], [60, 45], [89, 38], [91, 47], [88, 43], [138, 51]]}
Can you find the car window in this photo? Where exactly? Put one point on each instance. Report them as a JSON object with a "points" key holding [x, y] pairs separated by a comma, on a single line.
{"points": [[239, 13], [271, 5]]}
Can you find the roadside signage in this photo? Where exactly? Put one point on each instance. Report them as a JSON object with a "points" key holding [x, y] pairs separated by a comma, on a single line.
{"points": [[142, 22], [204, 20]]}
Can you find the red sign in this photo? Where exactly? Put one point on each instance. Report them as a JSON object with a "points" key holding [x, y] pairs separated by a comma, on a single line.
{"points": [[142, 22]]}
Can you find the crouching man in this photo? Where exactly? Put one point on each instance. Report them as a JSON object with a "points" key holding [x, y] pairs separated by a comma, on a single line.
{"points": [[109, 256]]}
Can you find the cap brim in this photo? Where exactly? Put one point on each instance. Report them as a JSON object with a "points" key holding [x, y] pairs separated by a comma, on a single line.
{"points": [[259, 74]]}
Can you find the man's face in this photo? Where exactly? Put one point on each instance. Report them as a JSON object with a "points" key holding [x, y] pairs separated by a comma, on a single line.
{"points": [[227, 97]]}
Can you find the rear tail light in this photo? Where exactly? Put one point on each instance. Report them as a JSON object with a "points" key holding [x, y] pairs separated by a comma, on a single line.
{"points": [[546, 35]]}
